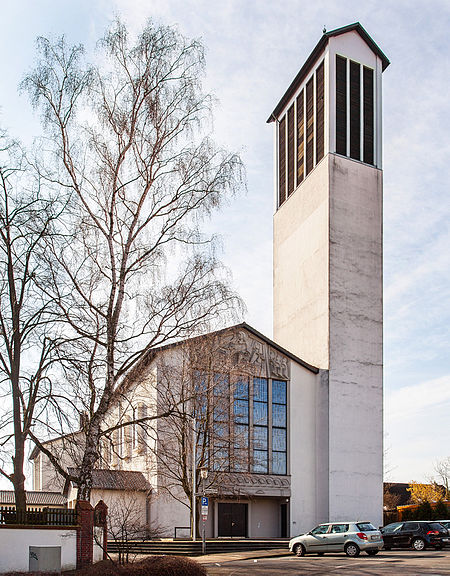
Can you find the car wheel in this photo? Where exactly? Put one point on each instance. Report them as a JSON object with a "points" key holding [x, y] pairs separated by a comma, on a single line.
{"points": [[418, 544], [299, 550], [352, 550], [372, 552]]}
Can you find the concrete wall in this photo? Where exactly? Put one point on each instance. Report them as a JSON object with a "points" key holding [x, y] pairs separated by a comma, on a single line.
{"points": [[308, 455], [356, 341], [300, 270], [15, 543]]}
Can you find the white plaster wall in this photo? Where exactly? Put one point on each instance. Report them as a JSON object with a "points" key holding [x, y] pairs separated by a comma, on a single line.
{"points": [[14, 547], [122, 505], [167, 512], [300, 270], [356, 341], [305, 454]]}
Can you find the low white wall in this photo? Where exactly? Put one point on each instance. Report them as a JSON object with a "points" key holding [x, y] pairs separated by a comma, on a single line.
{"points": [[15, 543]]}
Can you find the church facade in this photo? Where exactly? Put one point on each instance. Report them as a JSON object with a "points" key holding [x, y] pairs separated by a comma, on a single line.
{"points": [[290, 429]]}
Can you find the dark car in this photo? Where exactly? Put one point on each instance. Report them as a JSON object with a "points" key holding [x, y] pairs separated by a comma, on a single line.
{"points": [[417, 535]]}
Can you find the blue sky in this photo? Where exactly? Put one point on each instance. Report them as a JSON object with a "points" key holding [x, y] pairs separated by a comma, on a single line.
{"points": [[254, 49]]}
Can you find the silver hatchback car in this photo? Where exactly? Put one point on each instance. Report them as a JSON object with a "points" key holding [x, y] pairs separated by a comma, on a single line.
{"points": [[348, 537]]}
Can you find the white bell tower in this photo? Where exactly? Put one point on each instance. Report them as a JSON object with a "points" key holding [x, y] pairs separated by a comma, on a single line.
{"points": [[328, 275]]}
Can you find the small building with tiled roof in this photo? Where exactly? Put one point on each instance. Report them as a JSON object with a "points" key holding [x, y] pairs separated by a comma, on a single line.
{"points": [[35, 499]]}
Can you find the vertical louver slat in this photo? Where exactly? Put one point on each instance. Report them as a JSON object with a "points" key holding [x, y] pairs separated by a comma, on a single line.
{"points": [[355, 111], [300, 139], [341, 105], [282, 160], [320, 112], [291, 151], [368, 115], [309, 127]]}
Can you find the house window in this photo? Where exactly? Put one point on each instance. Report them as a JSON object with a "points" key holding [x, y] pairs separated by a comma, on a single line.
{"points": [[134, 431], [241, 417], [260, 426], [221, 423], [279, 427]]}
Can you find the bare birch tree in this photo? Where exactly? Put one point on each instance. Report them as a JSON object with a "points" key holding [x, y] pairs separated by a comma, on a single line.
{"points": [[126, 139], [27, 340]]}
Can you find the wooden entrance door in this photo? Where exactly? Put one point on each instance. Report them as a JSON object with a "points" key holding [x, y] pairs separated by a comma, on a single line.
{"points": [[232, 519]]}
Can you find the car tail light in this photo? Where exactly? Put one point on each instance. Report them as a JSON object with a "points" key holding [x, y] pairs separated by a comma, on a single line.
{"points": [[362, 536], [435, 532]]}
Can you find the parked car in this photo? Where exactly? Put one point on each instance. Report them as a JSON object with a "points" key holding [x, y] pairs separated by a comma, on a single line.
{"points": [[348, 537], [445, 524], [418, 535]]}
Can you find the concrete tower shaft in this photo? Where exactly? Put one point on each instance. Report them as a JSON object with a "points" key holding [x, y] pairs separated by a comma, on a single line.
{"points": [[328, 299]]}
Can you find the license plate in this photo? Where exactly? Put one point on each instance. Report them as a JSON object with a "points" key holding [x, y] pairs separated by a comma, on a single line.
{"points": [[445, 540]]}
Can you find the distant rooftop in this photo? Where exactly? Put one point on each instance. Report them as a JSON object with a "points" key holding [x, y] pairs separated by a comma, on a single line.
{"points": [[34, 498], [116, 480]]}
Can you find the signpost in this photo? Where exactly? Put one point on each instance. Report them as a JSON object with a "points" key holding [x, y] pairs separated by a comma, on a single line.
{"points": [[204, 502]]}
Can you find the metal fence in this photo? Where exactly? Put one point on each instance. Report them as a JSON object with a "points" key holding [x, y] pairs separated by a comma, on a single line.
{"points": [[38, 517]]}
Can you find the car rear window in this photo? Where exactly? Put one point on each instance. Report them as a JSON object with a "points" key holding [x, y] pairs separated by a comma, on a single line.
{"points": [[366, 527]]}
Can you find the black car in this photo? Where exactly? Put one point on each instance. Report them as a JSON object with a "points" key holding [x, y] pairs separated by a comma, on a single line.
{"points": [[417, 535]]}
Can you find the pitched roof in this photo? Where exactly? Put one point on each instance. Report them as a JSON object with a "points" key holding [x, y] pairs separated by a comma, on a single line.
{"points": [[36, 450], [318, 49], [243, 325], [116, 480], [34, 498]]}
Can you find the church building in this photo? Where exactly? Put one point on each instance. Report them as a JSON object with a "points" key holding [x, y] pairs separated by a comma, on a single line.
{"points": [[295, 432]]}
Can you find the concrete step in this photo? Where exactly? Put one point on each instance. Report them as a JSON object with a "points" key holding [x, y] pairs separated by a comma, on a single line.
{"points": [[189, 548]]}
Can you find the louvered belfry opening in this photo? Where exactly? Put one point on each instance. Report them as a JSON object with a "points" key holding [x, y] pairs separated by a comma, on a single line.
{"points": [[291, 151], [341, 105], [301, 135], [309, 126], [282, 160], [355, 110], [355, 116], [300, 138], [368, 115], [320, 111]]}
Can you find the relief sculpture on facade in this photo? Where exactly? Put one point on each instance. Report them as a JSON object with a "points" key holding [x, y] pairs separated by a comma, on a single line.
{"points": [[259, 357]]}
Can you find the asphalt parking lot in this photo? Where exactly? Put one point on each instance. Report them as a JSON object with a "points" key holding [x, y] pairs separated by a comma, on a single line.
{"points": [[401, 562]]}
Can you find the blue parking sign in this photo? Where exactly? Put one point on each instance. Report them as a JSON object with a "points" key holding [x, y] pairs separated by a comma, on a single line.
{"points": [[204, 501]]}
